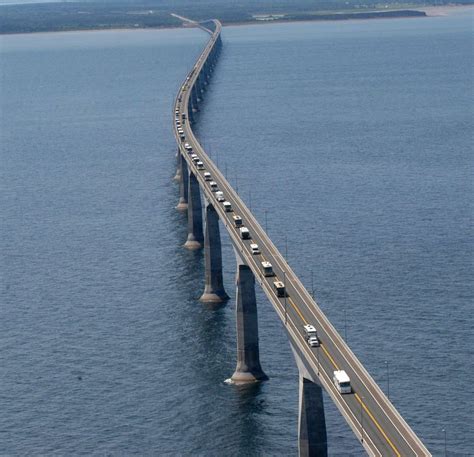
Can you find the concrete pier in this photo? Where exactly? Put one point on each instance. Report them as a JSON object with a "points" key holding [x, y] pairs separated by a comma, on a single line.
{"points": [[312, 439], [190, 112], [194, 99], [214, 289], [248, 358], [195, 236], [183, 185], [179, 157]]}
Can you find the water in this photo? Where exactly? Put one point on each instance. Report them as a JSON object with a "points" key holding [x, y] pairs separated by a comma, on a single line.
{"points": [[353, 137]]}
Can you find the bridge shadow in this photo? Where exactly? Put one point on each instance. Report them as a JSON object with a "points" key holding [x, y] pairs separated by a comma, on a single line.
{"points": [[250, 407]]}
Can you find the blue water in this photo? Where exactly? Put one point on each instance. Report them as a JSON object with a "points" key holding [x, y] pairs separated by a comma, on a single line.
{"points": [[353, 139]]}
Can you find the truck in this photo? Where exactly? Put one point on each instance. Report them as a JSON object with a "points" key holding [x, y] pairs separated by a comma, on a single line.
{"points": [[244, 233], [267, 269], [311, 335], [342, 382], [237, 221], [280, 288]]}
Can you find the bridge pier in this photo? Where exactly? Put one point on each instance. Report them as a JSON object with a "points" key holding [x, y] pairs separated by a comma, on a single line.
{"points": [[195, 235], [177, 176], [194, 99], [199, 88], [183, 185], [190, 111], [214, 289], [248, 368], [312, 437]]}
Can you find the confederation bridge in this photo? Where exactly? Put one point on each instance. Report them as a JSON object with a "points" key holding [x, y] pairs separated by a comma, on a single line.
{"points": [[324, 360]]}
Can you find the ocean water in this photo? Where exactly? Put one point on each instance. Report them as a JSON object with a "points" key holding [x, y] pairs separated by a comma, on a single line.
{"points": [[352, 142]]}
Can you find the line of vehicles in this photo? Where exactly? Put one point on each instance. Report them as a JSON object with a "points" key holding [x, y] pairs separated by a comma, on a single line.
{"points": [[340, 378]]}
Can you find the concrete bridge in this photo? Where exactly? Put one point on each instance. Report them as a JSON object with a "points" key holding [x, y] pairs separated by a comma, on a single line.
{"points": [[374, 420]]}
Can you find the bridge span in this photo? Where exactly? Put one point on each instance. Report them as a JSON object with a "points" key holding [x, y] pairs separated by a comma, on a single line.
{"points": [[372, 417]]}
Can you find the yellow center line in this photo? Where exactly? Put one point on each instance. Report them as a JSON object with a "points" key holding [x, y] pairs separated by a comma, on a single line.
{"points": [[377, 424], [356, 395], [297, 310], [329, 356]]}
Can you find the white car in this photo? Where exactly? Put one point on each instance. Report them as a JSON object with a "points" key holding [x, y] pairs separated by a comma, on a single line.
{"points": [[313, 341], [254, 248]]}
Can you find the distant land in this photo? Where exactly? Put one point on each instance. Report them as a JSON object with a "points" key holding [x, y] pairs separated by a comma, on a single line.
{"points": [[128, 14]]}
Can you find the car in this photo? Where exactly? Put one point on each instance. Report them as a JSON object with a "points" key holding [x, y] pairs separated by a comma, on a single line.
{"points": [[207, 176], [214, 187], [200, 165], [220, 196], [313, 341], [255, 249]]}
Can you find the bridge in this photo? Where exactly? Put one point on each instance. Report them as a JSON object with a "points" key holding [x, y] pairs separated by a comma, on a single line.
{"points": [[374, 420]]}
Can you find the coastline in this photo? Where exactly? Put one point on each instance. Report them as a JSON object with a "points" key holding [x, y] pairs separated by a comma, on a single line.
{"points": [[428, 12]]}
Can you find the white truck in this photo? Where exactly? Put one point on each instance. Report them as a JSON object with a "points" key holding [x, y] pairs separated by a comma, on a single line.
{"points": [[267, 269], [311, 335], [342, 382], [280, 288], [244, 233]]}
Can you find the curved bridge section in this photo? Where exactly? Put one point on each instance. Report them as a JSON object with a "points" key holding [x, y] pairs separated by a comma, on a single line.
{"points": [[323, 362]]}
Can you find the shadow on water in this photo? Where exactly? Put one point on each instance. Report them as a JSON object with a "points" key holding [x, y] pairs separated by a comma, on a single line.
{"points": [[250, 407]]}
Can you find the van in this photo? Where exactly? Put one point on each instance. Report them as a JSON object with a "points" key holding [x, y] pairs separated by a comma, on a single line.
{"points": [[227, 207], [200, 165], [280, 288], [342, 382], [244, 233], [254, 248], [220, 196], [214, 187], [267, 269], [237, 221], [207, 176]]}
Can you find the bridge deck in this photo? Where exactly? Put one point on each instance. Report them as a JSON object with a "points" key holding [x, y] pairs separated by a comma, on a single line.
{"points": [[369, 413]]}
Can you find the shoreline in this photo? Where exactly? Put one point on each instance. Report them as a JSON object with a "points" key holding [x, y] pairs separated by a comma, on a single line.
{"points": [[429, 12]]}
